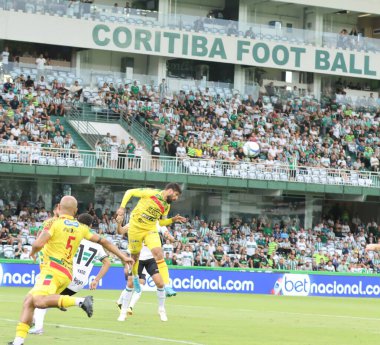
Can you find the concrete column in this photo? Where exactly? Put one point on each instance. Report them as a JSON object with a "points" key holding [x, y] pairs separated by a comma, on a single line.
{"points": [[164, 11], [317, 86], [309, 210], [239, 79], [77, 63], [243, 15], [318, 27], [225, 208], [45, 189]]}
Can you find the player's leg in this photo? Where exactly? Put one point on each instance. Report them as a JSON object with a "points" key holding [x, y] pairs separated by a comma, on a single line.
{"points": [[153, 242], [152, 269], [135, 238], [126, 299], [44, 295], [39, 315]]}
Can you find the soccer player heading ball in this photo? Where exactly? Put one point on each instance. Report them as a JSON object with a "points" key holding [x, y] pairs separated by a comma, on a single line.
{"points": [[153, 206]]}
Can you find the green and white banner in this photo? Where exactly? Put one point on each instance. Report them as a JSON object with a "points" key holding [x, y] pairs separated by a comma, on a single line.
{"points": [[189, 45]]}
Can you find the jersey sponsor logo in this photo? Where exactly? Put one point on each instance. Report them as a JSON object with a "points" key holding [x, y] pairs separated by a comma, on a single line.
{"points": [[152, 219], [69, 222]]}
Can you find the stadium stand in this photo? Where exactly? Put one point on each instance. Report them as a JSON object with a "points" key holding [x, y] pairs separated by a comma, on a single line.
{"points": [[279, 243]]}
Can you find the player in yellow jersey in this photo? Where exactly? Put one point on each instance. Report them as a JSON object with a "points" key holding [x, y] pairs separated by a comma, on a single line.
{"points": [[153, 206], [60, 244]]}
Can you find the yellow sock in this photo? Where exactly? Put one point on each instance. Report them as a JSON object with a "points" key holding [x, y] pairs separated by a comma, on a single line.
{"points": [[164, 271], [22, 330], [66, 301], [135, 268]]}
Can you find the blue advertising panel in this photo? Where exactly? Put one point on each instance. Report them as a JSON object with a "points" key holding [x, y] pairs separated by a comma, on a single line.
{"points": [[288, 284]]}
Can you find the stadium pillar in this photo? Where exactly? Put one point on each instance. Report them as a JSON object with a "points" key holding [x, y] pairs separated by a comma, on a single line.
{"points": [[239, 79], [243, 14], [318, 26], [157, 67], [225, 208], [309, 210], [163, 11], [45, 190], [317, 84]]}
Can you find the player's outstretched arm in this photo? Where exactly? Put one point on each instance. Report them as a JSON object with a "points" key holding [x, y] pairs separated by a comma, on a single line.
{"points": [[39, 243], [112, 248], [373, 246], [106, 264], [176, 219]]}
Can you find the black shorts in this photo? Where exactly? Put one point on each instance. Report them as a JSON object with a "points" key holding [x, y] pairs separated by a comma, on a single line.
{"points": [[68, 292], [151, 267]]}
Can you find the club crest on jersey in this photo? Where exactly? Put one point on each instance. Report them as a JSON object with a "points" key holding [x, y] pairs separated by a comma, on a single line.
{"points": [[69, 222]]}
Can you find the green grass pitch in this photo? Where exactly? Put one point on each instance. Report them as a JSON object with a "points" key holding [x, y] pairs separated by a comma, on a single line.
{"points": [[204, 318]]}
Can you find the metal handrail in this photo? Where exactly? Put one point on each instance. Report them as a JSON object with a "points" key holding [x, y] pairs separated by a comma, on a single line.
{"points": [[130, 124], [83, 127], [35, 154]]}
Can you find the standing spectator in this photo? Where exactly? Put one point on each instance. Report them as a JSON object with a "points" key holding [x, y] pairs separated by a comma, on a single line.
{"points": [[163, 89], [187, 257], [156, 151], [5, 59], [135, 90], [131, 150], [122, 155], [114, 153], [40, 62], [138, 155]]}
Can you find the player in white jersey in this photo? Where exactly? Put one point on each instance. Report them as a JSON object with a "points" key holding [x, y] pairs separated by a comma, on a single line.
{"points": [[84, 260], [128, 297]]}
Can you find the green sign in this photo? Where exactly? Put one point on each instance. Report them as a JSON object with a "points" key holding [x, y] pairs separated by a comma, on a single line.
{"points": [[234, 50]]}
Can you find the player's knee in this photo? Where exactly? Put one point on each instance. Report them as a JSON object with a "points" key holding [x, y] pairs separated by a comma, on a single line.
{"points": [[38, 302], [28, 301], [157, 254]]}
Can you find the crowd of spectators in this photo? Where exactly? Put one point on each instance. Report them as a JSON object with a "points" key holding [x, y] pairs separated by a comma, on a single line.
{"points": [[26, 107], [203, 124], [298, 130], [259, 242]]}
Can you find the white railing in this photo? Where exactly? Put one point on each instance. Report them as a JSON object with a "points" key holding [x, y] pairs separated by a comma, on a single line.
{"points": [[47, 156]]}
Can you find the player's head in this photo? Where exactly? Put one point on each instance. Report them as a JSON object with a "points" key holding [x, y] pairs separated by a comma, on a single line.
{"points": [[86, 218], [172, 192], [55, 210], [68, 205]]}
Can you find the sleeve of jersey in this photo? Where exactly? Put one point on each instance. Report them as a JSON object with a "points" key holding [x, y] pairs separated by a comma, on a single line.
{"points": [[135, 193], [87, 232], [165, 221], [51, 229]]}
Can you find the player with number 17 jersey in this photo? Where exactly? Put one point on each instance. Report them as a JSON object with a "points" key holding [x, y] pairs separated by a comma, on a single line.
{"points": [[88, 252]]}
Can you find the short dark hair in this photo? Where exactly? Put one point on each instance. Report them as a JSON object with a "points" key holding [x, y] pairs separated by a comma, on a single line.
{"points": [[85, 218], [175, 186]]}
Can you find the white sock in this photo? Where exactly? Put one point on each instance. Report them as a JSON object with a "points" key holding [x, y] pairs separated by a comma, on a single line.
{"points": [[39, 316], [122, 295], [161, 298], [126, 301], [136, 296], [79, 301], [18, 341]]}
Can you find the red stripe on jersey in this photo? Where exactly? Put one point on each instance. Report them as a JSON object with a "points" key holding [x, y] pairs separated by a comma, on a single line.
{"points": [[61, 268], [158, 203]]}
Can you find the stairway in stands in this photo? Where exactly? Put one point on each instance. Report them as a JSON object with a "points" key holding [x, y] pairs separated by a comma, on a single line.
{"points": [[78, 139]]}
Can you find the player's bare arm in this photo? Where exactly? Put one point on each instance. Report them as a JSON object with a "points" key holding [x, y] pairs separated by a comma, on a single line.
{"points": [[106, 264], [112, 248], [121, 230], [372, 247]]}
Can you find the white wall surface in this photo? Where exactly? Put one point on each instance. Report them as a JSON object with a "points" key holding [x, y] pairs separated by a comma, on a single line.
{"points": [[114, 130]]}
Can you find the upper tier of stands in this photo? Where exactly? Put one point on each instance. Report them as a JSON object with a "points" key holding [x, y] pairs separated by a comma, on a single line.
{"points": [[206, 24]]}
